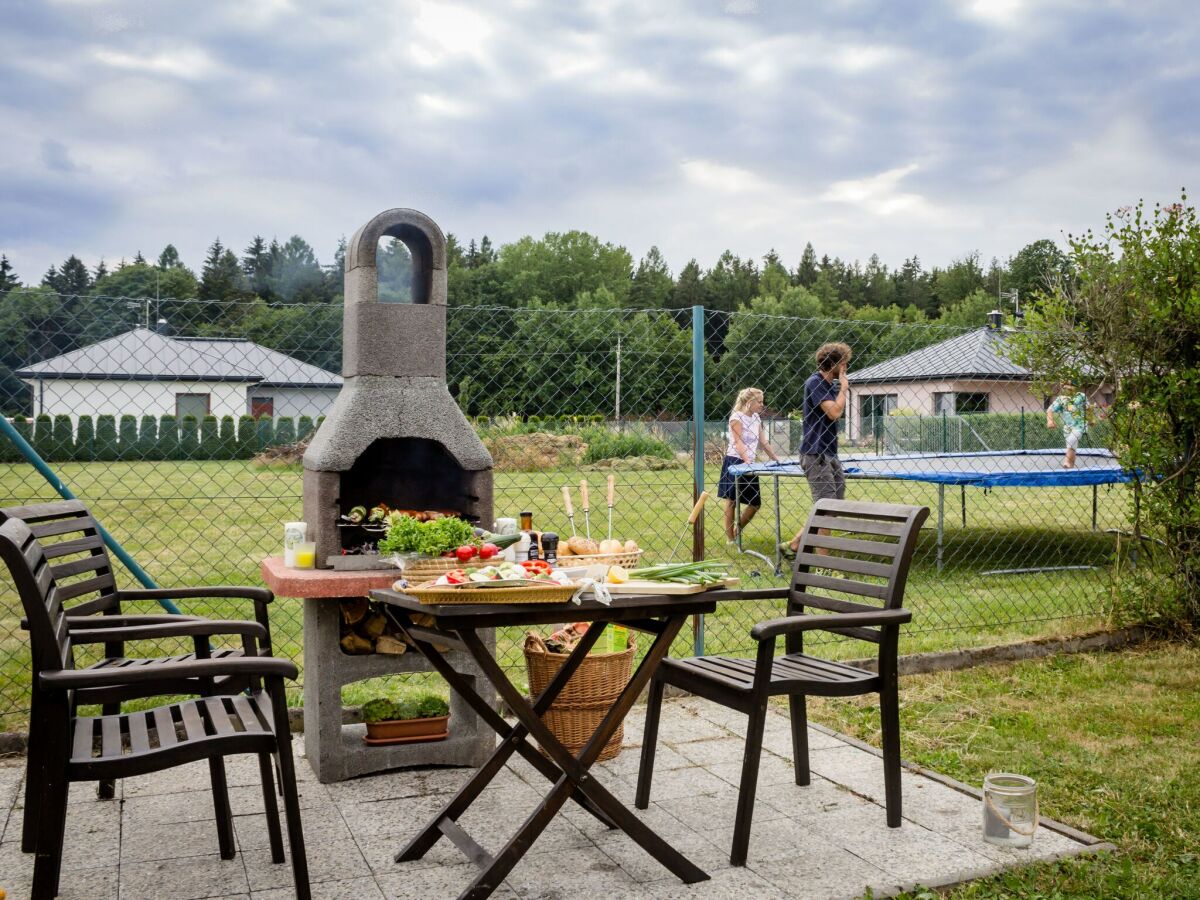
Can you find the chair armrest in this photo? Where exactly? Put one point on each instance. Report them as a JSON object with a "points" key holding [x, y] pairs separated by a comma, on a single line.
{"points": [[253, 666], [187, 628], [93, 623], [771, 593], [791, 624], [244, 592]]}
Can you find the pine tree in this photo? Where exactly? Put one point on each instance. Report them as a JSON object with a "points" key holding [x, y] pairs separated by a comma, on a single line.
{"points": [[99, 272], [689, 288], [806, 272], [487, 253], [222, 275], [8, 278], [472, 256], [139, 260], [652, 285], [169, 258], [256, 265]]}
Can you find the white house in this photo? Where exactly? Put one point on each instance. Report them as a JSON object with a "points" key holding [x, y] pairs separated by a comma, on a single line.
{"points": [[144, 372]]}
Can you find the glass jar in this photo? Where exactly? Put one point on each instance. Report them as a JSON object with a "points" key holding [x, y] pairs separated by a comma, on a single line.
{"points": [[1010, 809]]}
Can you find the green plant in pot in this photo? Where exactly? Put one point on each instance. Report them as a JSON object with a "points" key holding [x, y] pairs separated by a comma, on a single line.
{"points": [[407, 717]]}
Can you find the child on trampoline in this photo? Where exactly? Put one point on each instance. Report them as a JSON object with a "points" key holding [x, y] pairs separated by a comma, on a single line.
{"points": [[1072, 405], [745, 436], [824, 403]]}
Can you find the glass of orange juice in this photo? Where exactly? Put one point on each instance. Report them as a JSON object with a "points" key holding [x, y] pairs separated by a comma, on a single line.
{"points": [[306, 555]]}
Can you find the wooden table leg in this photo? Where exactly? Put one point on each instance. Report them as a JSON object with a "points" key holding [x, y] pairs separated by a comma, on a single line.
{"points": [[575, 770]]}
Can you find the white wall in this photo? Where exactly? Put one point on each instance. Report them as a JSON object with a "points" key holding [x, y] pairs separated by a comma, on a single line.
{"points": [[77, 397], [1003, 397], [295, 402]]}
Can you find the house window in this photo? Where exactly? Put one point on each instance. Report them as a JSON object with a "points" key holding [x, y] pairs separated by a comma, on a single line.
{"points": [[191, 405], [262, 406], [956, 403], [872, 410]]}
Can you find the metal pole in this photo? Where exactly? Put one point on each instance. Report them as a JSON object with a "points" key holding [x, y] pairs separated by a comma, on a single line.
{"points": [[698, 456], [1022, 428], [778, 530], [941, 520], [1095, 503], [945, 431], [65, 492], [963, 489], [618, 409]]}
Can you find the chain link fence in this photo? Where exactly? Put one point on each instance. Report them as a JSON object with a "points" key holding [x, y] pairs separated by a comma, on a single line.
{"points": [[179, 424]]}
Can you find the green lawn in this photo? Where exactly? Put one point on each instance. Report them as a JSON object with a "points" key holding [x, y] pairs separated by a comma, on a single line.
{"points": [[211, 522], [1113, 740]]}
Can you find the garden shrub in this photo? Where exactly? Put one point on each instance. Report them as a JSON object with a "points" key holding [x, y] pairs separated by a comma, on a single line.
{"points": [[129, 438], [604, 443], [210, 438], [168, 437], [43, 435], [228, 438], [247, 433], [85, 438], [285, 430], [304, 427], [106, 437], [64, 438], [148, 438], [265, 433], [189, 438]]}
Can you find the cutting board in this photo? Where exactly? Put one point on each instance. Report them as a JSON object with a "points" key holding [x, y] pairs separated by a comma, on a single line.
{"points": [[658, 587]]}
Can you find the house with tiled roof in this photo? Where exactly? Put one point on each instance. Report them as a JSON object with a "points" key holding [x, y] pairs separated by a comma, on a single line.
{"points": [[147, 372]]}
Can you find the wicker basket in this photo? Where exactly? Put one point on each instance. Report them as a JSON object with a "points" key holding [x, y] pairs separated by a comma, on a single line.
{"points": [[627, 560], [431, 568], [586, 698], [446, 594]]}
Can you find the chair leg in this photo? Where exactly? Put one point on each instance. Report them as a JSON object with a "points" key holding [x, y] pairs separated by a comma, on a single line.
{"points": [[34, 781], [267, 771], [52, 823], [291, 799], [749, 785], [889, 714], [798, 710], [106, 788], [220, 789], [649, 744]]}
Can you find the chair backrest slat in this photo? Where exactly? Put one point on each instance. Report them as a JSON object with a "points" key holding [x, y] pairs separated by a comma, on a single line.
{"points": [[39, 591], [70, 539], [865, 553]]}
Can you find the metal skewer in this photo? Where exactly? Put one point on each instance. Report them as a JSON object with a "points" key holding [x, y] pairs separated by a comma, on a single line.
{"points": [[612, 480], [586, 504], [570, 508]]}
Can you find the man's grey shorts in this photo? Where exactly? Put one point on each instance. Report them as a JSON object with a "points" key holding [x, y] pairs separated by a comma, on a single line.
{"points": [[826, 477]]}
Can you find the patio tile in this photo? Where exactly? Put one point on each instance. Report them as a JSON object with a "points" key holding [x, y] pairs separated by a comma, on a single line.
{"points": [[721, 885], [834, 873], [671, 784], [436, 881], [711, 751], [82, 884], [148, 842], [572, 873], [335, 861], [391, 816], [719, 806], [772, 769], [642, 867], [629, 761], [346, 889], [183, 879], [677, 730], [321, 826], [397, 785]]}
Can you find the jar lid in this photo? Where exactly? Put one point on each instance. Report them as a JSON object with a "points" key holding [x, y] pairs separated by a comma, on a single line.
{"points": [[1008, 783]]}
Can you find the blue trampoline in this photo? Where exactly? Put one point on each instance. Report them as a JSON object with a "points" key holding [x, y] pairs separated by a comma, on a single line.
{"points": [[1003, 468]]}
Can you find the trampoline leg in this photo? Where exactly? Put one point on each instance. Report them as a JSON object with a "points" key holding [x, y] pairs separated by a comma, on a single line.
{"points": [[963, 489], [778, 531], [1095, 503], [737, 511], [941, 522]]}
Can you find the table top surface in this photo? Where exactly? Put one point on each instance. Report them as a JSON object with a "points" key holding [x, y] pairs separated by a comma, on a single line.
{"points": [[323, 583], [623, 607]]}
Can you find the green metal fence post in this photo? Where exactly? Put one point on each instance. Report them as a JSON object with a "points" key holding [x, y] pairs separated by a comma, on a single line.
{"points": [[65, 492], [1022, 428], [698, 454]]}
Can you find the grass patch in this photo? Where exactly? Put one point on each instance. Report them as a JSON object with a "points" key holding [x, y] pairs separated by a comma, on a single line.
{"points": [[1113, 740], [211, 522]]}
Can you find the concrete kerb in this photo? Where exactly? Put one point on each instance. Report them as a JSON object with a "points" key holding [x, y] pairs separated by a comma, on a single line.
{"points": [[13, 742]]}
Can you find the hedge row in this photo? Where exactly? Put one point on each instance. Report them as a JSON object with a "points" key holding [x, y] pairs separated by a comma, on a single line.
{"points": [[109, 438]]}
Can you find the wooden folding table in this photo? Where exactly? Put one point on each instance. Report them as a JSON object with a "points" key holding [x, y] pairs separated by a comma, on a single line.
{"points": [[459, 627]]}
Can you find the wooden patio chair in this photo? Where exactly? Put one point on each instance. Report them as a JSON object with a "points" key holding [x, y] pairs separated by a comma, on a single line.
{"points": [[79, 562], [870, 546], [71, 747]]}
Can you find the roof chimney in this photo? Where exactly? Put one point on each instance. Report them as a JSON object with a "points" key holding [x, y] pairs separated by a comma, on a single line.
{"points": [[995, 318], [162, 327]]}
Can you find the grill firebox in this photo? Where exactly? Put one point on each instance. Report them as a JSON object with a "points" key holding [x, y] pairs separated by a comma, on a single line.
{"points": [[394, 434]]}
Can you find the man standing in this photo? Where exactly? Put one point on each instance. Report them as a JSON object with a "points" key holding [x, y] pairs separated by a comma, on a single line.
{"points": [[1072, 406], [826, 393]]}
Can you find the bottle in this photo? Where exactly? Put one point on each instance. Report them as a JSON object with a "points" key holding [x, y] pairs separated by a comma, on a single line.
{"points": [[550, 547], [533, 545], [618, 638], [526, 521]]}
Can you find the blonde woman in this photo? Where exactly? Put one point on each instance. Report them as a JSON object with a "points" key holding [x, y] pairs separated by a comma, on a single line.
{"points": [[745, 436]]}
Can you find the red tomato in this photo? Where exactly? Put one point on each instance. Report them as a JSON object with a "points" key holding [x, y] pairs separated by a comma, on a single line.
{"points": [[465, 553], [487, 551]]}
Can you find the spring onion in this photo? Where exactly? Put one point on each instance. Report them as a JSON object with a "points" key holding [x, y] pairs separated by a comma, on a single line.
{"points": [[703, 572]]}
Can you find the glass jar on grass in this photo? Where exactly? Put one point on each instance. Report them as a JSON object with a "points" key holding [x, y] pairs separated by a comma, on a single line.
{"points": [[1010, 809]]}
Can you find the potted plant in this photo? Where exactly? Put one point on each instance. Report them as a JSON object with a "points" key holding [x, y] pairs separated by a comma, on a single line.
{"points": [[407, 718]]}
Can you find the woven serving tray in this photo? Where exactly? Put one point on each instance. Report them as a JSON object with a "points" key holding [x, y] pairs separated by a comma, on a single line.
{"points": [[626, 560], [438, 595]]}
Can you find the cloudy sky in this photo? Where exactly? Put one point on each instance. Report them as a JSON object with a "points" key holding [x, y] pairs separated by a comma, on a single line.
{"points": [[899, 128]]}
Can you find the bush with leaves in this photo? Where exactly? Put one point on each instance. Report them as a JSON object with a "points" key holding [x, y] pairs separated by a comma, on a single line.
{"points": [[1130, 318], [107, 448], [168, 437], [64, 438], [406, 704], [189, 438], [129, 438], [606, 443], [85, 438], [147, 438]]}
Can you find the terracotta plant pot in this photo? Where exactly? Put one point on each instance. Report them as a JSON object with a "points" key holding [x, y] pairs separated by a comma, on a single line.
{"points": [[407, 731]]}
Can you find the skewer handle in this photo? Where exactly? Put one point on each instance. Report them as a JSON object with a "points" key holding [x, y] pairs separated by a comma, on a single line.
{"points": [[612, 489], [698, 508], [567, 502], [583, 495]]}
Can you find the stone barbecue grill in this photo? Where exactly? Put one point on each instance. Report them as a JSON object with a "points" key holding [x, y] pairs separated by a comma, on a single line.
{"points": [[394, 434]]}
